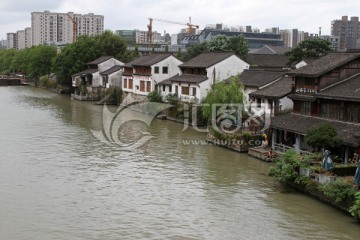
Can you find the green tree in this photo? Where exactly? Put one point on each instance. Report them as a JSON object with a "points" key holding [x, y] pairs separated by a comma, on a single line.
{"points": [[323, 136], [154, 96], [309, 49], [6, 58], [42, 60], [110, 44], [193, 51], [21, 61], [220, 43], [239, 45], [338, 190], [223, 93], [34, 62], [128, 56], [285, 169], [136, 52], [73, 58], [355, 208]]}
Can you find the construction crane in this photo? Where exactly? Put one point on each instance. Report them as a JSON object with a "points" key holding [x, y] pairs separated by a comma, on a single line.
{"points": [[189, 24], [75, 24]]}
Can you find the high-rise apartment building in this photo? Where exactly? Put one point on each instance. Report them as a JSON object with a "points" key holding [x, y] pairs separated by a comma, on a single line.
{"points": [[28, 36], [334, 41], [3, 44], [20, 39], [290, 37], [48, 27], [11, 40], [347, 31], [89, 24]]}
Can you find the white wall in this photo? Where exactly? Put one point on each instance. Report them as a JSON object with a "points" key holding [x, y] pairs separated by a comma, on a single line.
{"points": [[205, 88], [165, 92], [231, 66], [189, 97], [97, 79], [172, 63], [127, 89], [109, 64], [286, 103], [247, 91], [115, 79], [136, 84], [300, 64]]}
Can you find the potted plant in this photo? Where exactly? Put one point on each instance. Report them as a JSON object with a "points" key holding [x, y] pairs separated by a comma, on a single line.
{"points": [[326, 177]]}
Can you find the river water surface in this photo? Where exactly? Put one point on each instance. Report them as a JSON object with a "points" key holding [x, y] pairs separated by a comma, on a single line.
{"points": [[57, 181]]}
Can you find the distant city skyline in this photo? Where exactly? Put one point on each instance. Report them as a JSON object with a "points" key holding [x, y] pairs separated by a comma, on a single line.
{"points": [[303, 15]]}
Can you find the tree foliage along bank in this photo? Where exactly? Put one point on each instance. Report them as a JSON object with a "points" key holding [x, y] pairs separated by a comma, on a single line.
{"points": [[314, 48], [223, 93], [73, 57], [43, 59], [220, 43], [34, 62]]}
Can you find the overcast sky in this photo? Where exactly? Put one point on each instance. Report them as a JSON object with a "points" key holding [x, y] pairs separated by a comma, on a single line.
{"points": [[305, 15]]}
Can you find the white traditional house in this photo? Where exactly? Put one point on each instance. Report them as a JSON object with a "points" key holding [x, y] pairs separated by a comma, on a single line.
{"points": [[103, 72], [112, 76], [267, 88], [144, 73], [200, 73]]}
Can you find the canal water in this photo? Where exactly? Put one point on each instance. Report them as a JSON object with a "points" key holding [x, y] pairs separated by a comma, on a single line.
{"points": [[57, 181]]}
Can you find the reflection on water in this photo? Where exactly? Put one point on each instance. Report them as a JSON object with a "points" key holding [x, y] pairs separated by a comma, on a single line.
{"points": [[58, 182]]}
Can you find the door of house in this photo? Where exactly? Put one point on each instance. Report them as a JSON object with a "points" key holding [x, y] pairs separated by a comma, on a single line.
{"points": [[142, 86], [148, 86]]}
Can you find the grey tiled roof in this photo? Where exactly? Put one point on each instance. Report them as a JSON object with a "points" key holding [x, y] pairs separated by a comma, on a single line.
{"points": [[111, 70], [345, 90], [165, 82], [268, 60], [100, 60], [185, 78], [87, 71], [148, 60], [300, 124], [277, 90], [324, 64], [205, 60], [258, 78]]}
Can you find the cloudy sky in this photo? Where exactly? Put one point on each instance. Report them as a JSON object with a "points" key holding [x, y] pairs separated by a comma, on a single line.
{"points": [[305, 15]]}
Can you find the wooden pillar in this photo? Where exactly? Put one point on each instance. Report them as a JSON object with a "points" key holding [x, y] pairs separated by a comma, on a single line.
{"points": [[273, 138], [297, 143]]}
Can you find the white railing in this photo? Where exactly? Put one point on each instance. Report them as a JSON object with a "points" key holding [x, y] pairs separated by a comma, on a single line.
{"points": [[283, 148]]}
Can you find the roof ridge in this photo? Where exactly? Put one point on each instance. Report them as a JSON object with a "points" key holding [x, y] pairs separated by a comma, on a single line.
{"points": [[342, 81], [270, 48], [271, 83], [327, 119]]}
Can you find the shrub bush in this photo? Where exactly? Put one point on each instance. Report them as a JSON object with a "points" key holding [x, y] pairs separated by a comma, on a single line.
{"points": [[286, 168], [154, 96], [355, 209], [338, 190]]}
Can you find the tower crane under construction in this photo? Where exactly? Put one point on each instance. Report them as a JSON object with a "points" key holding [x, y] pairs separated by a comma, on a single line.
{"points": [[191, 27], [74, 25]]}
